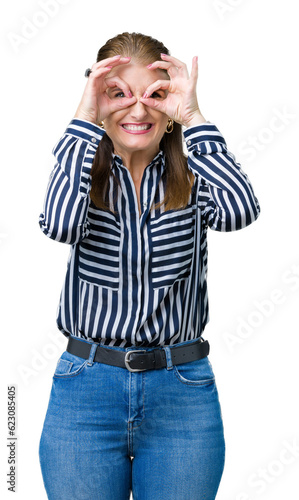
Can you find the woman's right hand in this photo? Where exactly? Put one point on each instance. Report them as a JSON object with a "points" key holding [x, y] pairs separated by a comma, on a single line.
{"points": [[95, 104]]}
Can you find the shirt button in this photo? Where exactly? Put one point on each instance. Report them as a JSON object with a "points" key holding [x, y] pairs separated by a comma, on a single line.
{"points": [[93, 139], [145, 204], [189, 143]]}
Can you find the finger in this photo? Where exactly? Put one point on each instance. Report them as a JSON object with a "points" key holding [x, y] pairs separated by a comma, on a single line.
{"points": [[153, 103], [176, 62], [95, 74], [173, 60], [111, 61], [125, 102], [116, 82], [159, 65], [194, 70], [154, 87], [166, 66]]}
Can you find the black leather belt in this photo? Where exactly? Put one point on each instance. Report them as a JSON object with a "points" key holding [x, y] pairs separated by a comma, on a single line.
{"points": [[140, 360]]}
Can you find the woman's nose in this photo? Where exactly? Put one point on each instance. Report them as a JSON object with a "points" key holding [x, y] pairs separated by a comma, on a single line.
{"points": [[138, 110]]}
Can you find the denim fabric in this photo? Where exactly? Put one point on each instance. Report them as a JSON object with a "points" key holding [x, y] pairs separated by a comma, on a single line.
{"points": [[108, 431]]}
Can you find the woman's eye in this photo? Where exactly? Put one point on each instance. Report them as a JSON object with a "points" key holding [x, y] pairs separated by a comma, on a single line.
{"points": [[119, 94], [156, 95]]}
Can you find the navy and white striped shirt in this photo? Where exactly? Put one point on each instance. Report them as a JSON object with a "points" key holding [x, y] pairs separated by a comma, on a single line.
{"points": [[140, 279]]}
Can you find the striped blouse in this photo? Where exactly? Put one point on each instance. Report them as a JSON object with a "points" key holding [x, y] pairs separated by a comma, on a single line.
{"points": [[140, 279]]}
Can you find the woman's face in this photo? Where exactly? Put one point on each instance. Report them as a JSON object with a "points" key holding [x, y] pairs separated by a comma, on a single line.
{"points": [[138, 127]]}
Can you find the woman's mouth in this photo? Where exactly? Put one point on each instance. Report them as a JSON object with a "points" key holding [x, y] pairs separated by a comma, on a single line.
{"points": [[137, 128]]}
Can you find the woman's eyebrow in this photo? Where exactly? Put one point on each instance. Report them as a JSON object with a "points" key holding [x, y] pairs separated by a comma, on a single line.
{"points": [[115, 89]]}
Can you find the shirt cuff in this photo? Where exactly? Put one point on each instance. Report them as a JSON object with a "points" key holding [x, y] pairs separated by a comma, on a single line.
{"points": [[204, 138], [85, 130]]}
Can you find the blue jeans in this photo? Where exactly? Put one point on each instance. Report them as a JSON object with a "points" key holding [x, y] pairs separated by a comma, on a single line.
{"points": [[108, 431]]}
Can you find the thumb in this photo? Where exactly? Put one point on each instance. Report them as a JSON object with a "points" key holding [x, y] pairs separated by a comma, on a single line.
{"points": [[153, 103], [124, 102]]}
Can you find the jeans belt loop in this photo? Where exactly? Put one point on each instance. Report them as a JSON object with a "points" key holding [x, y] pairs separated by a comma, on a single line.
{"points": [[92, 353], [168, 357]]}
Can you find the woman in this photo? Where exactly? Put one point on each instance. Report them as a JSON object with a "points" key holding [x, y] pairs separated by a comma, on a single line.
{"points": [[134, 404]]}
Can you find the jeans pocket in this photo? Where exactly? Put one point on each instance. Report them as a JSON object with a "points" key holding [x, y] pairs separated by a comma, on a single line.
{"points": [[199, 372], [69, 365]]}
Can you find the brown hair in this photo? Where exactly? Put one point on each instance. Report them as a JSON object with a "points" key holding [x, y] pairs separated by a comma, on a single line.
{"points": [[178, 178]]}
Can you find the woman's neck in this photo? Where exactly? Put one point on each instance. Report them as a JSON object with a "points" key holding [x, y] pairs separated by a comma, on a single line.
{"points": [[136, 162]]}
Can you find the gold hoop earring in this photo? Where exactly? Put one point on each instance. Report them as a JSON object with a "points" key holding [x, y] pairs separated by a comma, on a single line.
{"points": [[169, 127], [101, 124]]}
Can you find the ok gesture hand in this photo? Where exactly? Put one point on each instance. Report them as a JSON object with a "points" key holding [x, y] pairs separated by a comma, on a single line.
{"points": [[95, 104], [180, 103]]}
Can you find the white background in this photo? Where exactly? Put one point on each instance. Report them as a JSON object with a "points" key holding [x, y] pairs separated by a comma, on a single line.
{"points": [[248, 87]]}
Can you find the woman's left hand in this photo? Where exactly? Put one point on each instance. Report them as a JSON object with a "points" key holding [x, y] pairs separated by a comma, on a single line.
{"points": [[180, 104]]}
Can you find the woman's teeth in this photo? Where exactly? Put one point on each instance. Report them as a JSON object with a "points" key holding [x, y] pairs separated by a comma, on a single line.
{"points": [[137, 127]]}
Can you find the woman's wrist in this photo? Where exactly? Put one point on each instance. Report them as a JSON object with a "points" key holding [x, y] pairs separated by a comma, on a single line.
{"points": [[83, 116], [196, 119]]}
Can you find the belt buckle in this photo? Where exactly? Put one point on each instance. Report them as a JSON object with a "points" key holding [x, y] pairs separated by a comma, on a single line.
{"points": [[127, 361]]}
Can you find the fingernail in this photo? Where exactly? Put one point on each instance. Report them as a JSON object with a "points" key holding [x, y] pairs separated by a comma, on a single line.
{"points": [[108, 67], [149, 65], [163, 54], [144, 95], [130, 94]]}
